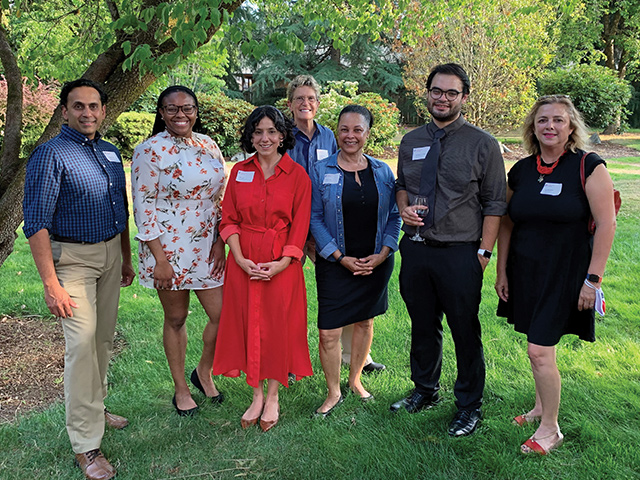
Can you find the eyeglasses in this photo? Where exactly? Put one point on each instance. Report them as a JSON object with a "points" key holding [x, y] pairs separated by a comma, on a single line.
{"points": [[436, 93], [301, 99], [174, 109]]}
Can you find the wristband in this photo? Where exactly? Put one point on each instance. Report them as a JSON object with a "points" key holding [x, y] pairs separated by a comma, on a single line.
{"points": [[485, 253], [592, 277], [339, 259]]}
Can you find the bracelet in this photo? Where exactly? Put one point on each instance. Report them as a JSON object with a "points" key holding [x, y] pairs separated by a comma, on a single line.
{"points": [[339, 259], [589, 284]]}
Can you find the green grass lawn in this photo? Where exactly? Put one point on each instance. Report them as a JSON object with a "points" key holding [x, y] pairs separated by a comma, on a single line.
{"points": [[599, 413]]}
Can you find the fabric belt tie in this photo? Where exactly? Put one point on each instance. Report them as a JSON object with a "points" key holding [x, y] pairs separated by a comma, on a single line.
{"points": [[269, 236], [429, 175]]}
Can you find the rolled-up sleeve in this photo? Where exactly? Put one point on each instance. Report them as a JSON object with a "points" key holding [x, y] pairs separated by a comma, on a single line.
{"points": [[325, 242], [144, 191], [493, 190], [41, 190], [392, 228], [300, 217]]}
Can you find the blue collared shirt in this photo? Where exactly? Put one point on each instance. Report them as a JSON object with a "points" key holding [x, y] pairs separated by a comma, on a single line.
{"points": [[75, 188], [307, 152], [327, 225]]}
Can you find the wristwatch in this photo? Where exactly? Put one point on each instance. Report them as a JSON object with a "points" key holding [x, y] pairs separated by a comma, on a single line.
{"points": [[592, 277], [485, 253]]}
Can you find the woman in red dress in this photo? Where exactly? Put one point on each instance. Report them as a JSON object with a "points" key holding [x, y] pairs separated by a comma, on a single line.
{"points": [[265, 219]]}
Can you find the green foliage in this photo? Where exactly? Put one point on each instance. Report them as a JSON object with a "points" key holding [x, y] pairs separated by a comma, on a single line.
{"points": [[340, 94], [38, 103], [596, 91], [222, 117], [502, 45], [369, 62], [129, 130]]}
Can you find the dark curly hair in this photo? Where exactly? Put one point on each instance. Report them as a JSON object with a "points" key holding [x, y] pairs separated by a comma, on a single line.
{"points": [[451, 69], [282, 124], [159, 125]]}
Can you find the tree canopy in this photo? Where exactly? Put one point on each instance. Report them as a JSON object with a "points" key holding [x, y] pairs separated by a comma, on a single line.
{"points": [[127, 45]]}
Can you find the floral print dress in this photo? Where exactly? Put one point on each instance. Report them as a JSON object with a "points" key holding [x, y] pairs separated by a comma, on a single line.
{"points": [[177, 185]]}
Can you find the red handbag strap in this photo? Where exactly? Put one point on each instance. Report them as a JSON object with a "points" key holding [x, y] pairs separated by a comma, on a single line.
{"points": [[582, 179]]}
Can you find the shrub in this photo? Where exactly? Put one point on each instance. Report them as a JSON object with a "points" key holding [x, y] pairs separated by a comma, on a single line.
{"points": [[222, 118], [596, 92], [129, 130], [386, 115], [38, 103]]}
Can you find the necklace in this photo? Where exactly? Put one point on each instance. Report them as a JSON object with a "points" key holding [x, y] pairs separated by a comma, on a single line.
{"points": [[362, 161], [544, 170]]}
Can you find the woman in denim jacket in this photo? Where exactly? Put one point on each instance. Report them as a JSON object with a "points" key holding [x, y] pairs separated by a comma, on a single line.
{"points": [[355, 221]]}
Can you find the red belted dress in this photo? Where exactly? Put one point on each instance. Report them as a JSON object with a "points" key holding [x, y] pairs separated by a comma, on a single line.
{"points": [[263, 325]]}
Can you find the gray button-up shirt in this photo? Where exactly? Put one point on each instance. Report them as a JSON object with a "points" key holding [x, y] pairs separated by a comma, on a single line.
{"points": [[470, 182]]}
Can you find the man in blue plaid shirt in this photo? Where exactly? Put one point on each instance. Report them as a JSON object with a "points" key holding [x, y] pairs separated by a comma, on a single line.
{"points": [[76, 220]]}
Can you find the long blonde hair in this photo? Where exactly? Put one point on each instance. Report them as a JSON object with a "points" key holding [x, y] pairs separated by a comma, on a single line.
{"points": [[578, 139]]}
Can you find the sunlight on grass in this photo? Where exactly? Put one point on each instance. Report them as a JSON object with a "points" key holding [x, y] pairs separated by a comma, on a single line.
{"points": [[598, 415]]}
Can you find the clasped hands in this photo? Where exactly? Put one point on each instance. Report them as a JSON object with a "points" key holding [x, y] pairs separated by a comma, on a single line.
{"points": [[263, 271], [362, 266]]}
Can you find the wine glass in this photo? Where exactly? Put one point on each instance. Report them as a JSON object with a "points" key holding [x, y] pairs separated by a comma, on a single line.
{"points": [[423, 203]]}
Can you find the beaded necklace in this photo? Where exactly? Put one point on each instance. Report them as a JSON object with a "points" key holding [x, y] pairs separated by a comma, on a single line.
{"points": [[544, 170]]}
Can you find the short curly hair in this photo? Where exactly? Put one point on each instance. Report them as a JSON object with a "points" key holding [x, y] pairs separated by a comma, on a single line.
{"points": [[302, 81], [282, 124], [578, 139]]}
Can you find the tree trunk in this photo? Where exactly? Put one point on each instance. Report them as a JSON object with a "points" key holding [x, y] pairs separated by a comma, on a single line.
{"points": [[123, 88]]}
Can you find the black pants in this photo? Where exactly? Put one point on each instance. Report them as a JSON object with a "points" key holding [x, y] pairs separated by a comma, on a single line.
{"points": [[436, 281]]}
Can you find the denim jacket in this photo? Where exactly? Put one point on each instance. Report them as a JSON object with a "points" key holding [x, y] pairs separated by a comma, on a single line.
{"points": [[327, 225]]}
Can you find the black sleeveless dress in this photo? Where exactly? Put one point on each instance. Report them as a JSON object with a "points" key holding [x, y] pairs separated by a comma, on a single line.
{"points": [[550, 251]]}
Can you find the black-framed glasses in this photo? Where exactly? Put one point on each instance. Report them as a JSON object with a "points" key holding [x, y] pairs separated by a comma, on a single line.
{"points": [[436, 93], [174, 109]]}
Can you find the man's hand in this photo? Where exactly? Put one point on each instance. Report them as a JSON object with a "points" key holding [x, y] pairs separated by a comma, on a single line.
{"points": [[58, 301], [484, 261], [128, 274], [410, 217]]}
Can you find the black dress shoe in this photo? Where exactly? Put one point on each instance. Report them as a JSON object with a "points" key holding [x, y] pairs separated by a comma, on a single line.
{"points": [[415, 402], [465, 422], [184, 413], [195, 379], [373, 367]]}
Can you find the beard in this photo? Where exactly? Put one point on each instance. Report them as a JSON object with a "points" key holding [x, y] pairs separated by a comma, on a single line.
{"points": [[452, 114]]}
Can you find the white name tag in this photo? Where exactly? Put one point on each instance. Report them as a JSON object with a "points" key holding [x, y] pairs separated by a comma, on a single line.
{"points": [[321, 154], [552, 189], [112, 157], [331, 178], [420, 153], [244, 177]]}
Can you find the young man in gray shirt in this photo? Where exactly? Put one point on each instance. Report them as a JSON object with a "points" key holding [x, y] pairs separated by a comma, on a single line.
{"points": [[458, 170]]}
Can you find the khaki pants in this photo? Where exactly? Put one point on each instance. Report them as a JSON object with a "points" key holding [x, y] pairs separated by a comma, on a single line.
{"points": [[91, 274]]}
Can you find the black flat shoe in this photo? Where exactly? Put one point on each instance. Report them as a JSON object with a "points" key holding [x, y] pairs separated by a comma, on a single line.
{"points": [[373, 367], [317, 414], [196, 383], [184, 413], [465, 422]]}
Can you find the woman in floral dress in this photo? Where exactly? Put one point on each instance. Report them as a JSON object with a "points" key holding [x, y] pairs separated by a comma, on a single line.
{"points": [[177, 181]]}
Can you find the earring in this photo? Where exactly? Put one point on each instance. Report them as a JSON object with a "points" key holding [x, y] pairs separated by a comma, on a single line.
{"points": [[281, 143]]}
